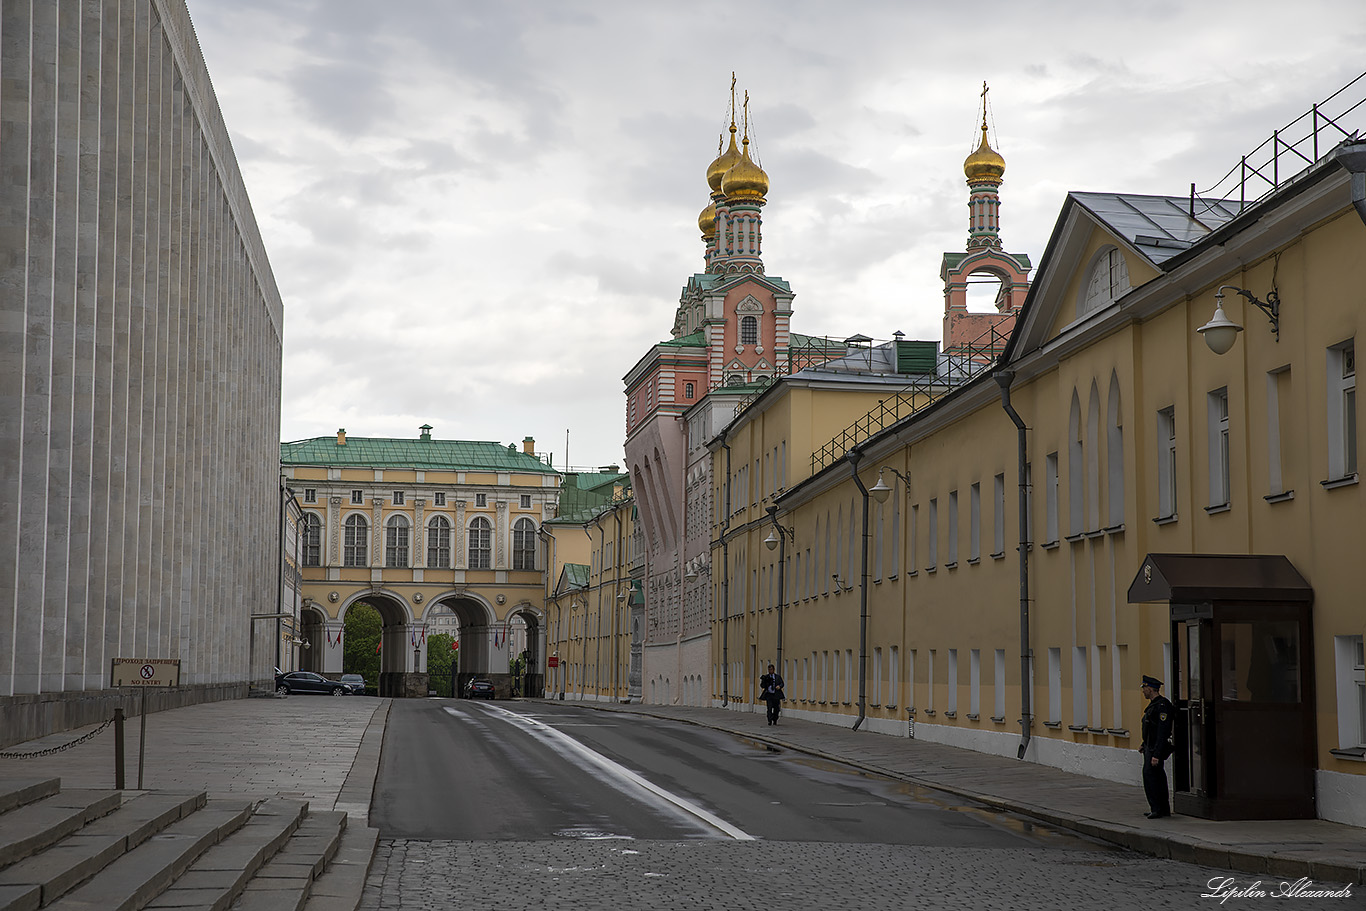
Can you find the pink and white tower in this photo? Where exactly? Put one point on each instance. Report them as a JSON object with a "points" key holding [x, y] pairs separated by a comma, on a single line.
{"points": [[984, 170]]}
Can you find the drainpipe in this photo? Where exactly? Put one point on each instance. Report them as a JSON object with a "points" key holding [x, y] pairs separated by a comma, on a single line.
{"points": [[854, 458], [597, 629], [1353, 159], [725, 589], [1004, 378]]}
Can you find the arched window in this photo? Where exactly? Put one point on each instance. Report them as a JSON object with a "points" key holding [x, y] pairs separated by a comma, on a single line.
{"points": [[439, 543], [313, 540], [396, 542], [481, 544], [1107, 282], [688, 390], [524, 544], [356, 550], [749, 330]]}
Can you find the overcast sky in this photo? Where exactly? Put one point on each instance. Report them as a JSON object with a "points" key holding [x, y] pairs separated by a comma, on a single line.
{"points": [[481, 214]]}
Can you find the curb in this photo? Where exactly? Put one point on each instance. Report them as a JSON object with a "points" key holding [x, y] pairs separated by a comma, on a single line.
{"points": [[1143, 841]]}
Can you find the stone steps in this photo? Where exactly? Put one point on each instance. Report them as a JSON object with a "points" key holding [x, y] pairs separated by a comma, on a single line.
{"points": [[110, 851]]}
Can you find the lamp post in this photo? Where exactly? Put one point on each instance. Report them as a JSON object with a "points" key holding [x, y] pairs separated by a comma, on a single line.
{"points": [[880, 490], [778, 538], [1221, 332]]}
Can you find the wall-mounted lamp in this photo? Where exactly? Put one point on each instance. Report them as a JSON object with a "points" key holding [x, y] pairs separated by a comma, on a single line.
{"points": [[1221, 332], [880, 490], [691, 574], [772, 540], [840, 584]]}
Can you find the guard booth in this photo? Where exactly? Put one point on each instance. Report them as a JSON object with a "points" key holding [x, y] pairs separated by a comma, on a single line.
{"points": [[1241, 679]]}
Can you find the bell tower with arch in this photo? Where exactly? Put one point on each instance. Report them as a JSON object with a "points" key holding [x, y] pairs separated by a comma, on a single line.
{"points": [[984, 257]]}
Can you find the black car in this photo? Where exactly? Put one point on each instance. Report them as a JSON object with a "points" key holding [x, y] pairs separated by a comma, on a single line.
{"points": [[479, 689], [309, 682]]}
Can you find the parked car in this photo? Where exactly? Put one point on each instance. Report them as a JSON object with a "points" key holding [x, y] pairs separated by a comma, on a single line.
{"points": [[356, 682], [309, 682], [479, 689]]}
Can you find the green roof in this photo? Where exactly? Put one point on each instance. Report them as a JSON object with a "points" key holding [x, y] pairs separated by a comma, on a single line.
{"points": [[380, 452], [576, 575], [696, 340]]}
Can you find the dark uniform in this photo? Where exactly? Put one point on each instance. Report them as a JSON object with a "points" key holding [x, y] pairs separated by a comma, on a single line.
{"points": [[771, 690], [1157, 733]]}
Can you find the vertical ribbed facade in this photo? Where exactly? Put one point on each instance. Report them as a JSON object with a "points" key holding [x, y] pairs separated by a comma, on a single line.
{"points": [[140, 348]]}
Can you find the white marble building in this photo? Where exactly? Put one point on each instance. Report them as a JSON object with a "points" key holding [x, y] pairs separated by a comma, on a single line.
{"points": [[140, 345]]}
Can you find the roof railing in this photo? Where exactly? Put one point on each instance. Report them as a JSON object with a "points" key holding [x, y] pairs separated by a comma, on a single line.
{"points": [[1258, 173], [953, 368]]}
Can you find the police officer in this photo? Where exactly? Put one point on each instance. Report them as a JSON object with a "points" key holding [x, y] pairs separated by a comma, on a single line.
{"points": [[1157, 746]]}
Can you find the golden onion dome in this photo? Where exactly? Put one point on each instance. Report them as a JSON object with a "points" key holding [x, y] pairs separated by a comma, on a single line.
{"points": [[716, 171], [706, 221], [984, 164], [745, 180]]}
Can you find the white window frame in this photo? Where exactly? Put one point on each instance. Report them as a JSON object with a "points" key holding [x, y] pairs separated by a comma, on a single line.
{"points": [[356, 541], [397, 498], [310, 494], [439, 498], [1051, 498], [975, 522], [1166, 462], [1055, 685], [1351, 692], [357, 497], [396, 538], [933, 534], [480, 543], [951, 692], [953, 529], [1342, 421], [998, 534], [312, 539], [999, 708], [1080, 674], [439, 543], [524, 501], [1220, 487], [481, 501], [975, 682], [524, 544]]}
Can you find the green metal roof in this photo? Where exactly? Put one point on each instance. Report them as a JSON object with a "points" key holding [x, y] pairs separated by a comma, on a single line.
{"points": [[696, 340], [576, 575], [380, 452]]}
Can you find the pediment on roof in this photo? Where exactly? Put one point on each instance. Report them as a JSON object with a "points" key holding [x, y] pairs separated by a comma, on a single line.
{"points": [[1145, 231], [750, 304]]}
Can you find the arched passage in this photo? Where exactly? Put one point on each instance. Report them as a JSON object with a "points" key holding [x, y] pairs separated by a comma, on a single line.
{"points": [[526, 644], [313, 632], [401, 652]]}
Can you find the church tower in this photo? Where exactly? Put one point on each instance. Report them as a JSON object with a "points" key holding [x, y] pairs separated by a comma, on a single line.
{"points": [[984, 170]]}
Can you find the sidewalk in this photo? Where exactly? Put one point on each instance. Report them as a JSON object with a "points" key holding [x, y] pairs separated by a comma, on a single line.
{"points": [[321, 749], [1325, 852]]}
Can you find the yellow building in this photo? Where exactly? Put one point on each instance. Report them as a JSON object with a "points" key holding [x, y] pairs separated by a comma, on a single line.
{"points": [[595, 610], [416, 527], [1147, 469]]}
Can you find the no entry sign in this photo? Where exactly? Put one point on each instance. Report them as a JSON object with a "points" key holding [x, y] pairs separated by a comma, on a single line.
{"points": [[145, 672]]}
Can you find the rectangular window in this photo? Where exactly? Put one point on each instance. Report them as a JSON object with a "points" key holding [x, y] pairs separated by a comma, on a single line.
{"points": [[878, 521], [439, 499], [975, 682], [951, 694], [481, 500], [310, 494], [1079, 685], [910, 679], [929, 681], [933, 534], [1166, 463], [398, 498], [1051, 493], [953, 528], [1275, 480], [848, 675], [1342, 411], [998, 502], [877, 676], [896, 529], [999, 711], [1055, 685], [1217, 416], [1351, 691], [912, 529], [975, 522], [893, 677], [525, 501], [357, 497]]}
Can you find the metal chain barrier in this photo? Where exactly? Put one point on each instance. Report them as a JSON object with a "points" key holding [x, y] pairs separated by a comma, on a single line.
{"points": [[57, 749]]}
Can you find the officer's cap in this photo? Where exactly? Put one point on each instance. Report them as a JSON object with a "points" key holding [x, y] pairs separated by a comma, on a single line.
{"points": [[1152, 682]]}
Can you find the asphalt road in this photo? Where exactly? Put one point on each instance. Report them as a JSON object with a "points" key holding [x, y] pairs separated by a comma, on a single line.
{"points": [[476, 771]]}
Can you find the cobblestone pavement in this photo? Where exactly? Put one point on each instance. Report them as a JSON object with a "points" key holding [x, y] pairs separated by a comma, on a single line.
{"points": [[788, 876]]}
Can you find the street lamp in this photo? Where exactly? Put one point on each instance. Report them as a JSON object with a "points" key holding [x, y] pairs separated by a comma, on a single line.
{"points": [[777, 537], [1221, 332], [854, 457]]}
